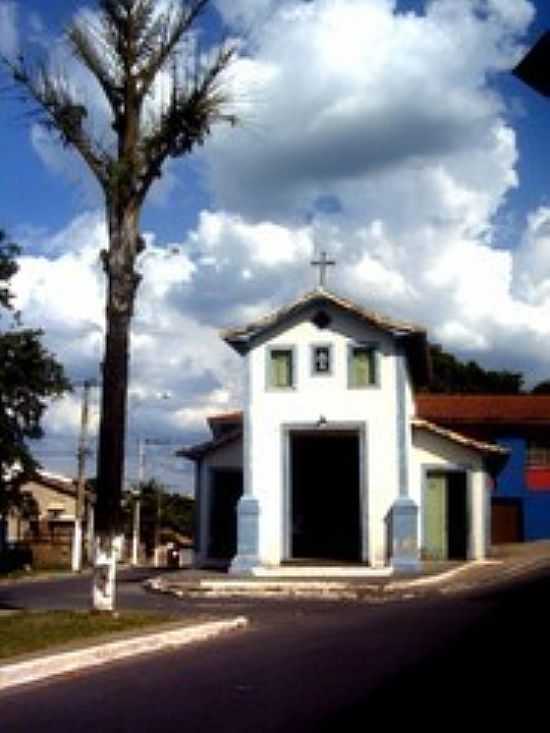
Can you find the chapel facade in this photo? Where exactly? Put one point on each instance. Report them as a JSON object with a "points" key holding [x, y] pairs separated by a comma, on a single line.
{"points": [[329, 461]]}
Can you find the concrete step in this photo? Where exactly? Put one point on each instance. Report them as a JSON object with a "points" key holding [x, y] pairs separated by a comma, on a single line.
{"points": [[259, 588]]}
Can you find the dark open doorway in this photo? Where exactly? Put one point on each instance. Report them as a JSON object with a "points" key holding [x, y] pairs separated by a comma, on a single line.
{"points": [[458, 516], [226, 489], [325, 496]]}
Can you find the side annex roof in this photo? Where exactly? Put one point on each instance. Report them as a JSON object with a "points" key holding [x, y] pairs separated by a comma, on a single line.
{"points": [[453, 436], [197, 452]]}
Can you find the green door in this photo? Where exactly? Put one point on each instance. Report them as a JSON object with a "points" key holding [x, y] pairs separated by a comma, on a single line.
{"points": [[435, 518]]}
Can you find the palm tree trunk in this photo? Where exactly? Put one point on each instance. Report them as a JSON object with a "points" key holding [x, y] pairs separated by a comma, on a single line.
{"points": [[122, 282]]}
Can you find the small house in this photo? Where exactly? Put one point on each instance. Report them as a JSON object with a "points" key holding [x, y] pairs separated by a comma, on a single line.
{"points": [[45, 525]]}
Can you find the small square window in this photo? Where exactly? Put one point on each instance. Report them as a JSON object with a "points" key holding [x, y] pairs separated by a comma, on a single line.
{"points": [[321, 360], [280, 368], [362, 366]]}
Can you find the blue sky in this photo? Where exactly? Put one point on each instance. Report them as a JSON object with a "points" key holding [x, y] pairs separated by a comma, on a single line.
{"points": [[389, 132], [531, 124], [44, 202]]}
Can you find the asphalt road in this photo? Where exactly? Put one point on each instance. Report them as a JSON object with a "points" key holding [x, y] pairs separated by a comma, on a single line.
{"points": [[434, 662], [74, 593]]}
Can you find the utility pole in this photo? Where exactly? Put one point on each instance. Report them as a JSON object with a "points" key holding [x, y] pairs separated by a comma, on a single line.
{"points": [[81, 477], [137, 502], [156, 552], [156, 557]]}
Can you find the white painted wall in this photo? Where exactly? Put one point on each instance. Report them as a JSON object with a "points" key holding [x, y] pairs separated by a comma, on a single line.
{"points": [[312, 397], [261, 454], [226, 456]]}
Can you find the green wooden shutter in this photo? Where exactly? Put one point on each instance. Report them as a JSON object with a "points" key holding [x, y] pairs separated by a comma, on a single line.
{"points": [[362, 366], [281, 368]]}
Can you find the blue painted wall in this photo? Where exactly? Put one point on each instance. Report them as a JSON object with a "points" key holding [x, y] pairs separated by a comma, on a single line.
{"points": [[511, 484]]}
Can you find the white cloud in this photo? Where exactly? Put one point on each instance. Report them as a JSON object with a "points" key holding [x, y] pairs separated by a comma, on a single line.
{"points": [[514, 13], [371, 134], [338, 91], [532, 271], [173, 352], [379, 91], [9, 37]]}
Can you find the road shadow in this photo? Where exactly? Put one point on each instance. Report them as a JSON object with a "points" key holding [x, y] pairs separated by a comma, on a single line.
{"points": [[489, 673]]}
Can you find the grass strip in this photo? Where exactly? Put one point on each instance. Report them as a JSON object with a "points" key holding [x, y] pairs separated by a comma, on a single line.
{"points": [[27, 632]]}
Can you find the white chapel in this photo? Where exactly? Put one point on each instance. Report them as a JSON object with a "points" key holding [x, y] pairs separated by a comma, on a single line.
{"points": [[328, 462]]}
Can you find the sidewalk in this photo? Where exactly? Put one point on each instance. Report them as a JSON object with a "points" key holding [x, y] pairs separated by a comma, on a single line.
{"points": [[506, 562], [37, 577]]}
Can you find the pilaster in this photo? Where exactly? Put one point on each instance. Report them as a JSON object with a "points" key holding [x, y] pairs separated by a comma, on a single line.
{"points": [[404, 549], [248, 536]]}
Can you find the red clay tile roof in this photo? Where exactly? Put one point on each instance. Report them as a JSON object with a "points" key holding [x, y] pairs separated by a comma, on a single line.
{"points": [[196, 452], [452, 435], [226, 417], [484, 409]]}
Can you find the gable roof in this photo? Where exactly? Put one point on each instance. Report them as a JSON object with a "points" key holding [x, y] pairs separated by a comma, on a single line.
{"points": [[459, 409], [241, 336], [60, 484], [413, 336]]}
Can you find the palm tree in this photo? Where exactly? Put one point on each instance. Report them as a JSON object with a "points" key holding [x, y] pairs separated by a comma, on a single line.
{"points": [[133, 45]]}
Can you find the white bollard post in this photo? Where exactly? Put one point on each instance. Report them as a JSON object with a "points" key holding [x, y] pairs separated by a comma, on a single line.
{"points": [[76, 555], [104, 576]]}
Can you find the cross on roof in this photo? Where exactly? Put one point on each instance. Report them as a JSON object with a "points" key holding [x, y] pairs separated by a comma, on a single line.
{"points": [[323, 263]]}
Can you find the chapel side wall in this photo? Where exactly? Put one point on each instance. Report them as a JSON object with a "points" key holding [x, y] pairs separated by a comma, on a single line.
{"points": [[229, 456], [431, 451], [374, 408]]}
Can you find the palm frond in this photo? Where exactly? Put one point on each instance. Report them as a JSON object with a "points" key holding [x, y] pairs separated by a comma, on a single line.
{"points": [[60, 111], [188, 118], [94, 54], [158, 45]]}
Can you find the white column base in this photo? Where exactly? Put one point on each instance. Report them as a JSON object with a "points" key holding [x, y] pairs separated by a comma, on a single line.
{"points": [[103, 591], [76, 554]]}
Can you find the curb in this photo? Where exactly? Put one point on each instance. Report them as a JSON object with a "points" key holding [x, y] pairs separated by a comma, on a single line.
{"points": [[316, 590], [34, 670], [440, 578], [508, 573]]}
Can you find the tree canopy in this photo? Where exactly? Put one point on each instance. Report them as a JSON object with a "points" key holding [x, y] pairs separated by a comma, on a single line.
{"points": [[450, 375], [160, 510], [29, 376]]}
